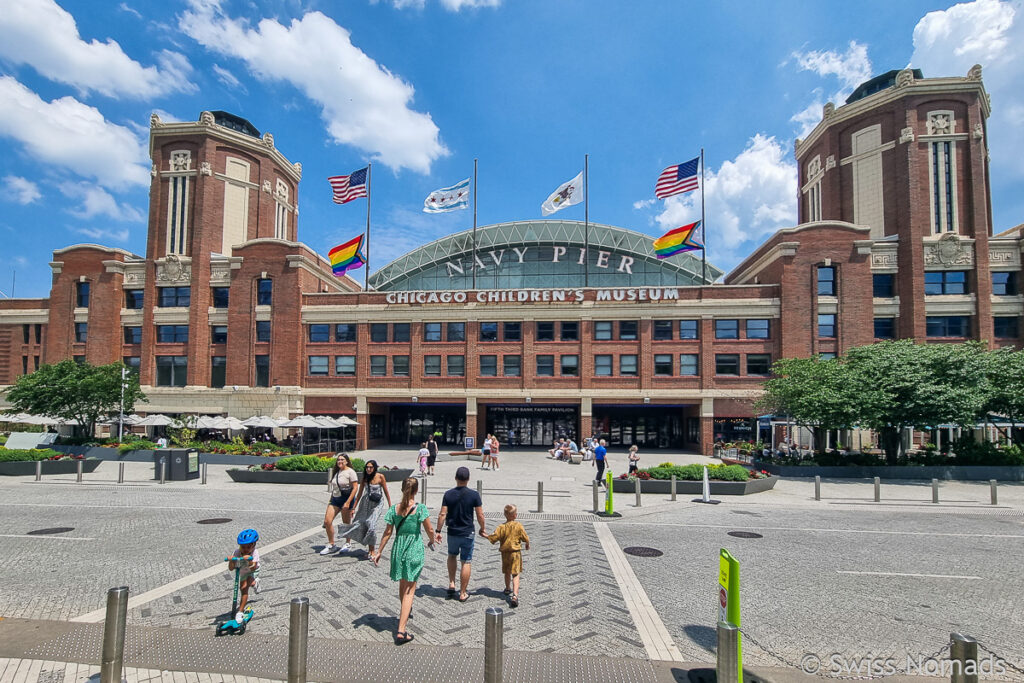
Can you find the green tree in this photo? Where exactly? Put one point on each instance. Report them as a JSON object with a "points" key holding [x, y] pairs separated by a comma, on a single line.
{"points": [[1006, 383], [76, 391]]}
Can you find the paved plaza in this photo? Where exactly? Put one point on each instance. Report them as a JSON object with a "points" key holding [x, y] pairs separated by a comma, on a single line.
{"points": [[841, 575]]}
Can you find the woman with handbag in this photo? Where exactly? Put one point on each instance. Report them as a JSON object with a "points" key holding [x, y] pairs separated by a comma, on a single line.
{"points": [[372, 490], [404, 520], [342, 489]]}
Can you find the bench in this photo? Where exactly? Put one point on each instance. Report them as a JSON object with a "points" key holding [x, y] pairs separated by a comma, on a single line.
{"points": [[575, 458]]}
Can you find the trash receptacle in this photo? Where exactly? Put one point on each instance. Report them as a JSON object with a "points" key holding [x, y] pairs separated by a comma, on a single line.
{"points": [[182, 463]]}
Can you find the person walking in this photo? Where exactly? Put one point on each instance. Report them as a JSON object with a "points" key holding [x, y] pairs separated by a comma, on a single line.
{"points": [[600, 456], [485, 452], [634, 458], [432, 449], [342, 490], [372, 490], [458, 507], [403, 521], [495, 446]]}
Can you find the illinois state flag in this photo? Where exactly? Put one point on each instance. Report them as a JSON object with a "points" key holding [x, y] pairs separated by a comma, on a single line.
{"points": [[448, 198], [567, 194]]}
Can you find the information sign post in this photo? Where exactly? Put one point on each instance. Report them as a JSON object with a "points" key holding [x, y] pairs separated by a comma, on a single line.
{"points": [[729, 598]]}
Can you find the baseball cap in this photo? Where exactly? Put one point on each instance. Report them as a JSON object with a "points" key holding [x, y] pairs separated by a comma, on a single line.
{"points": [[462, 474]]}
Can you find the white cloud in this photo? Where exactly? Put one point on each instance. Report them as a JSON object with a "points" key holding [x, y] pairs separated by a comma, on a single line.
{"points": [[95, 201], [20, 190], [130, 10], [228, 78], [362, 103], [450, 5], [73, 136], [850, 68], [101, 235], [644, 204], [43, 35]]}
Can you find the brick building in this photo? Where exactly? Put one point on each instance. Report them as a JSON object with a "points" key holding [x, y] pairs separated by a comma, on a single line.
{"points": [[536, 328]]}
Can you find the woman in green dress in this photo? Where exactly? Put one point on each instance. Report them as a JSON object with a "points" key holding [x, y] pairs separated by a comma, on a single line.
{"points": [[404, 520]]}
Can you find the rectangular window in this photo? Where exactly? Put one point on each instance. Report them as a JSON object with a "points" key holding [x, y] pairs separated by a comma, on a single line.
{"points": [[663, 330], [174, 297], [400, 332], [688, 329], [570, 331], [25, 332], [262, 330], [1005, 327], [456, 332], [344, 332], [628, 330], [39, 333], [488, 332], [603, 365], [133, 298], [319, 333], [545, 331], [456, 366], [545, 365], [35, 361], [827, 325], [172, 334], [345, 366], [1004, 284], [219, 334], [727, 329], [262, 371], [513, 332], [688, 364], [882, 285], [759, 364], [945, 282], [82, 294], [79, 359], [512, 365], [431, 332], [570, 366], [378, 366], [133, 363], [662, 365], [24, 365], [885, 328], [627, 365], [488, 366], [133, 335], [727, 364], [264, 291], [432, 366], [943, 188], [220, 297], [827, 355], [602, 330], [379, 332], [946, 325], [758, 328], [400, 366], [218, 371], [171, 371], [826, 281], [319, 365]]}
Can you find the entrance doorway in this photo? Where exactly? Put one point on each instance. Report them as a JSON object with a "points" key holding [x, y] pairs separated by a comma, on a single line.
{"points": [[647, 427], [414, 424], [533, 425]]}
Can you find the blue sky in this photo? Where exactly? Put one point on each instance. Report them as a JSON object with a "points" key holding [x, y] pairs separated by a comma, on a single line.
{"points": [[422, 87]]}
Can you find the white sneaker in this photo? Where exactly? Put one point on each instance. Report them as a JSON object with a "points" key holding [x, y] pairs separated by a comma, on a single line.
{"points": [[239, 618], [328, 549], [256, 585], [345, 548]]}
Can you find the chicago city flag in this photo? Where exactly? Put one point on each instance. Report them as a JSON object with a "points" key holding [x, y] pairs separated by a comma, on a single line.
{"points": [[448, 198], [567, 194]]}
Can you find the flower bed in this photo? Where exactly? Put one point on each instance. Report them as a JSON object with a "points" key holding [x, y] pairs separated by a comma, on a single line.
{"points": [[23, 462], [696, 472], [273, 476], [724, 480]]}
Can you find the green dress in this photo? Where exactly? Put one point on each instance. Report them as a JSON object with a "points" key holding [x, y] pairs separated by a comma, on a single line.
{"points": [[407, 552]]}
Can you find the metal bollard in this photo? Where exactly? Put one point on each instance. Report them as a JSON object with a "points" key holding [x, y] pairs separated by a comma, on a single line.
{"points": [[638, 492], [494, 632], [963, 649], [163, 470], [540, 496], [78, 472], [878, 489], [673, 487], [204, 473], [480, 488], [39, 470], [112, 664], [298, 636], [593, 485], [935, 490], [728, 664], [995, 495], [817, 487], [120, 473], [423, 493]]}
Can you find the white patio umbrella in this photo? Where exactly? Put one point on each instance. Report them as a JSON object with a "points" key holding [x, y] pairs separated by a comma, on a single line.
{"points": [[156, 420], [208, 422], [303, 422], [234, 424], [260, 422]]}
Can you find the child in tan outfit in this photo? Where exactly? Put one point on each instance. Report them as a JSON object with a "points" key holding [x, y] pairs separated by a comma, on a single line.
{"points": [[512, 536]]}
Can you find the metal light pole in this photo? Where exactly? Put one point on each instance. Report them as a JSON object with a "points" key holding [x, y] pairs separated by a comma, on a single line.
{"points": [[120, 417]]}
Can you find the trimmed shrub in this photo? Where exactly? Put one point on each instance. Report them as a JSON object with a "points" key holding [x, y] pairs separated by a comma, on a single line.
{"points": [[696, 472], [32, 454]]}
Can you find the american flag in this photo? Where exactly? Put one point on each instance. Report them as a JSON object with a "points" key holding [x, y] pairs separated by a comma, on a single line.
{"points": [[348, 187], [677, 179]]}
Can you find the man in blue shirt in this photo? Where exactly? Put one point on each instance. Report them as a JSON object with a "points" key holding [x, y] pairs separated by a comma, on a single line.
{"points": [[600, 454], [458, 508]]}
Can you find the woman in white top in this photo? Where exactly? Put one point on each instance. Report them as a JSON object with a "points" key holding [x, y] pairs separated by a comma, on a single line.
{"points": [[342, 488]]}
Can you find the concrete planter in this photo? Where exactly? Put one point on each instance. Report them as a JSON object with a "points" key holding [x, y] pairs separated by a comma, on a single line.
{"points": [[100, 453], [718, 488], [21, 468], [928, 472], [282, 477]]}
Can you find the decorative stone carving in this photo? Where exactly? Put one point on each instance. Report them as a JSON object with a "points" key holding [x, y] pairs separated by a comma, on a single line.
{"points": [[974, 74], [220, 275], [266, 186], [281, 192], [173, 270], [906, 135], [948, 251], [298, 168], [206, 118], [154, 121], [941, 123], [830, 161], [268, 140], [979, 131], [205, 168], [828, 110], [181, 160], [153, 171], [904, 78], [884, 259], [133, 277], [796, 145], [813, 167]]}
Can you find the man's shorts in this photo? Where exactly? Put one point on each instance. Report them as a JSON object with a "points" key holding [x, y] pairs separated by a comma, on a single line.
{"points": [[461, 546]]}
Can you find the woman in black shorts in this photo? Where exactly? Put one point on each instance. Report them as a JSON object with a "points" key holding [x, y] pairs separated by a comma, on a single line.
{"points": [[342, 487], [432, 447]]}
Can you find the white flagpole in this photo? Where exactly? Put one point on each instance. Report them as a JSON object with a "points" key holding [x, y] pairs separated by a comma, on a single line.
{"points": [[586, 220], [366, 275], [474, 224], [703, 225]]}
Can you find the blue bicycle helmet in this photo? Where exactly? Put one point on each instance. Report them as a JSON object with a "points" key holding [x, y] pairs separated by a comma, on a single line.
{"points": [[248, 536]]}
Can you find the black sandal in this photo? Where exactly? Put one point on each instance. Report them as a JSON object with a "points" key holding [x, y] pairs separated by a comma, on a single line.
{"points": [[463, 599], [403, 637], [507, 591], [450, 595]]}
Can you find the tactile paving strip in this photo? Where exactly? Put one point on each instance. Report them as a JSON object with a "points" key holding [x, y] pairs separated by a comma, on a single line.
{"points": [[542, 517]]}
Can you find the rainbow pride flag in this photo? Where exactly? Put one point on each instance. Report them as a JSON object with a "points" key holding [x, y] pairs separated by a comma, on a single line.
{"points": [[677, 241], [347, 256]]}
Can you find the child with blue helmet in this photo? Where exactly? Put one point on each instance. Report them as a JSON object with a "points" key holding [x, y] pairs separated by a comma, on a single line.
{"points": [[248, 569]]}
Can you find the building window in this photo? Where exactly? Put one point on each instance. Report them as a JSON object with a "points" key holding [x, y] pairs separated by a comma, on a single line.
{"points": [[759, 364], [688, 364], [827, 325], [378, 366], [81, 332], [171, 371], [456, 366], [133, 363], [400, 332], [946, 325], [513, 332], [431, 332], [432, 366], [688, 329], [174, 297], [456, 332], [1005, 328], [319, 333], [942, 172], [885, 328], [177, 205], [1004, 284], [172, 334], [345, 366], [379, 333], [318, 365], [281, 193], [39, 333], [82, 294], [628, 330], [945, 282], [727, 329], [882, 285], [219, 334], [264, 291], [400, 365], [488, 366], [570, 366], [133, 298], [488, 332], [25, 333], [262, 371], [79, 359], [826, 281], [345, 332], [133, 335], [627, 365], [545, 331], [758, 328], [602, 330], [827, 355], [663, 365], [512, 365], [24, 365], [727, 364], [603, 365], [570, 331], [221, 296], [545, 365], [262, 330], [218, 371], [663, 330]]}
